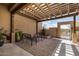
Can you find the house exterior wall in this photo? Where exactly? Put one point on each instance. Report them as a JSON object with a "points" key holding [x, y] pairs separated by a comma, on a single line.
{"points": [[4, 19], [24, 24], [52, 32]]}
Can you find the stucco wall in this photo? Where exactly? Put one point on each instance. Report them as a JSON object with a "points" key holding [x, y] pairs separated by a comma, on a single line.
{"points": [[24, 24], [4, 18], [52, 32]]}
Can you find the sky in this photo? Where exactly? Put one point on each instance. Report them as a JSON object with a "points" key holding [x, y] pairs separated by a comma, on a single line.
{"points": [[53, 23]]}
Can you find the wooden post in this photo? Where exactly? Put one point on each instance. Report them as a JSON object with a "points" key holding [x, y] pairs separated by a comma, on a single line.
{"points": [[36, 30], [11, 27], [36, 27], [74, 36], [74, 21]]}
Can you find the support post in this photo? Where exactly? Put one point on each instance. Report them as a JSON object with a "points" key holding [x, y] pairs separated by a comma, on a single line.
{"points": [[74, 24], [74, 36], [11, 27], [36, 30], [36, 27]]}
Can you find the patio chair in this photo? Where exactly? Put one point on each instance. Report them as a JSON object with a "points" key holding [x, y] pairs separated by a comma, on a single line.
{"points": [[31, 38], [40, 35], [27, 36], [34, 38], [37, 37]]}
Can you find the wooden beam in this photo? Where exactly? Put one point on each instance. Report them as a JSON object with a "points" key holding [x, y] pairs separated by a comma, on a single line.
{"points": [[11, 5], [42, 10], [26, 16], [50, 10], [31, 15], [35, 12], [59, 17], [59, 8], [47, 12], [18, 7], [77, 7], [34, 15], [68, 8]]}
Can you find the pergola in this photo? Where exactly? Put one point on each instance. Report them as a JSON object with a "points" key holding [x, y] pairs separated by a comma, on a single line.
{"points": [[47, 11], [43, 11]]}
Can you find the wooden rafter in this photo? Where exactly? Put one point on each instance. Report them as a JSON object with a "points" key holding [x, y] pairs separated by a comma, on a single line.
{"points": [[50, 9], [59, 8], [26, 16], [42, 10], [73, 7], [30, 14], [46, 9], [34, 13], [37, 13], [68, 8], [77, 8]]}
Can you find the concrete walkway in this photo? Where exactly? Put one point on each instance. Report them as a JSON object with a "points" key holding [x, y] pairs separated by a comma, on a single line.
{"points": [[67, 48], [13, 50]]}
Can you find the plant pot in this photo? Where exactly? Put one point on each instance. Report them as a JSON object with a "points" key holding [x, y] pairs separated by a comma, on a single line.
{"points": [[1, 43]]}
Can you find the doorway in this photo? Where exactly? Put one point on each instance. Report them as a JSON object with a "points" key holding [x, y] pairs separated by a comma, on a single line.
{"points": [[65, 30]]}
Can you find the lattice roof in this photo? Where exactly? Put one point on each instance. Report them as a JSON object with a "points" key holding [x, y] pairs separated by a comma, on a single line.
{"points": [[43, 11]]}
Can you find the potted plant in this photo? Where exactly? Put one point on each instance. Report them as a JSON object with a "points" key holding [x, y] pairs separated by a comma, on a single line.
{"points": [[1, 38], [18, 36]]}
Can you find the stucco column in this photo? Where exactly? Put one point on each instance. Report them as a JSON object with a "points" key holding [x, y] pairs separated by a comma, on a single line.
{"points": [[74, 37], [13, 38]]}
